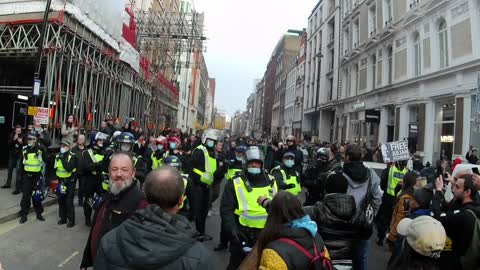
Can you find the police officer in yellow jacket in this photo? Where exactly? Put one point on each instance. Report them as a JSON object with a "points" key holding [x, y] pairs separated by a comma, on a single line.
{"points": [[242, 216], [32, 160], [65, 169], [204, 166], [286, 176], [174, 161]]}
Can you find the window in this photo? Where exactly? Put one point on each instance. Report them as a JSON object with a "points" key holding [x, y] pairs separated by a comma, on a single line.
{"points": [[374, 70], [390, 64], [372, 22], [346, 37], [388, 11], [417, 57], [355, 34], [443, 42]]}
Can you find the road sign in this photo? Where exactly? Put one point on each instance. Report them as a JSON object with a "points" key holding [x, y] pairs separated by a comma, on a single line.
{"points": [[395, 151], [36, 87], [41, 116]]}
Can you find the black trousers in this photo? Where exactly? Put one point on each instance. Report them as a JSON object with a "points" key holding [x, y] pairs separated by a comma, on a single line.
{"points": [[237, 255], [65, 202], [90, 187], [14, 163], [248, 237], [81, 186], [200, 205], [384, 216], [30, 183]]}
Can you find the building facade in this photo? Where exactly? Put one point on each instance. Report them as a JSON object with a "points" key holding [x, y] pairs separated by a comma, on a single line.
{"points": [[300, 86], [409, 70], [321, 71], [258, 110]]}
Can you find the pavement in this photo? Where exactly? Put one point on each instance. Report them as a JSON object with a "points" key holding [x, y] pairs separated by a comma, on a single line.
{"points": [[47, 246], [9, 203]]}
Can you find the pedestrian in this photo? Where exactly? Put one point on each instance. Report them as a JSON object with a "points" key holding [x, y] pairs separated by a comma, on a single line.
{"points": [[395, 176], [79, 149], [459, 218], [116, 206], [33, 155], [140, 147], [290, 239], [69, 129], [471, 156], [286, 176], [15, 145], [401, 208], [204, 164], [65, 168], [242, 216], [92, 161], [364, 186], [155, 237], [425, 239]]}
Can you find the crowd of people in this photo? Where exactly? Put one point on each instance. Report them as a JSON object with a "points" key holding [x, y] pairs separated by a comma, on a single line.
{"points": [[284, 205]]}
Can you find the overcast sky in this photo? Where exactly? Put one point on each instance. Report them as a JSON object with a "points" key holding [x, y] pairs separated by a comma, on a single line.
{"points": [[241, 37]]}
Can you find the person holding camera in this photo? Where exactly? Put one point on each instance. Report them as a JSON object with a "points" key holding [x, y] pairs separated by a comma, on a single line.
{"points": [[15, 144], [69, 129]]}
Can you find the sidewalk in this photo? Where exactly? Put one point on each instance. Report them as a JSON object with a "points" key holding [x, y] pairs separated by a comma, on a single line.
{"points": [[10, 204]]}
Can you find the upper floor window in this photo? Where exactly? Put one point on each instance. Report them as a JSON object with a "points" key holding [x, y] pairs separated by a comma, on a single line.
{"points": [[443, 43], [417, 54], [390, 64], [388, 11], [372, 20]]}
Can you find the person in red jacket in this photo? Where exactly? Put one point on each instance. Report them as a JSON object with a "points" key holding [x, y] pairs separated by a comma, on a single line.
{"points": [[116, 206]]}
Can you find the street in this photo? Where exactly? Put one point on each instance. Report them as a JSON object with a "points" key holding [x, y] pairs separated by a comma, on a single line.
{"points": [[46, 245]]}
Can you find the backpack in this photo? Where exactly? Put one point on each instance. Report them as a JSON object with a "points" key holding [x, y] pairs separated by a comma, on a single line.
{"points": [[318, 261], [363, 218], [471, 259]]}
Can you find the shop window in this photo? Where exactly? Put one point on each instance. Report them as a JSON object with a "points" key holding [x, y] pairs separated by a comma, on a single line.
{"points": [[444, 129]]}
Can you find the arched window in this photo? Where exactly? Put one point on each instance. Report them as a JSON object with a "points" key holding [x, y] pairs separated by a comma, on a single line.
{"points": [[417, 54], [443, 43]]}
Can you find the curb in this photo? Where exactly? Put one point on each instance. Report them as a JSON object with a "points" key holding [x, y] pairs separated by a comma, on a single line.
{"points": [[10, 217]]}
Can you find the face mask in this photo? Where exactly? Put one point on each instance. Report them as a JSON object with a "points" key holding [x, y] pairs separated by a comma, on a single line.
{"points": [[210, 144], [100, 144], [254, 170], [124, 148], [239, 158], [289, 163], [173, 146], [30, 144], [159, 147], [63, 150]]}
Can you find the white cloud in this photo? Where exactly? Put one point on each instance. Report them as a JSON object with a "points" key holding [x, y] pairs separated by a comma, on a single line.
{"points": [[241, 37]]}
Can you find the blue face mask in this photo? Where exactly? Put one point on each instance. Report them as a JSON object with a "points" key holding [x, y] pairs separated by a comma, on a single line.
{"points": [[210, 144], [289, 163], [254, 170], [173, 146], [30, 144], [160, 147], [239, 158]]}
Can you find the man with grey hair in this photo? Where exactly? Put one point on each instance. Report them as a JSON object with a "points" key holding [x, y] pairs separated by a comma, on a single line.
{"points": [[116, 206], [155, 237]]}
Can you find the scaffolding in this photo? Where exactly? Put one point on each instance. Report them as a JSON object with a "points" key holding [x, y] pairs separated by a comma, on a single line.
{"points": [[82, 75], [170, 34]]}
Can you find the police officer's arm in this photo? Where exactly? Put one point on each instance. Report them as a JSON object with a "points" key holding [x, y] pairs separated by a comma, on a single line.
{"points": [[227, 208], [279, 179], [197, 161], [45, 139], [88, 165], [44, 154], [71, 164]]}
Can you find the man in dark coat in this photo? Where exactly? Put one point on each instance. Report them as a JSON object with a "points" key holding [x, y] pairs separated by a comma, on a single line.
{"points": [[155, 237]]}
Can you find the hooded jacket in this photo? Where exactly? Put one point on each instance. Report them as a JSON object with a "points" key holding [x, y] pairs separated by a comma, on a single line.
{"points": [[334, 217], [152, 239], [358, 177]]}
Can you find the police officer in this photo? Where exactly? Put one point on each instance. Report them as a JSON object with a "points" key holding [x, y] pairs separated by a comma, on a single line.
{"points": [[325, 164], [204, 165], [125, 143], [175, 162], [32, 159], [94, 169], [384, 216], [232, 167], [242, 216], [157, 156], [65, 168], [286, 176]]}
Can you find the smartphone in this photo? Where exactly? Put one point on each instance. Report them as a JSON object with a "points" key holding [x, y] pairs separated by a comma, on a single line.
{"points": [[475, 170]]}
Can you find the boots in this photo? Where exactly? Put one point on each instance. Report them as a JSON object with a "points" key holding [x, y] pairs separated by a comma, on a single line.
{"points": [[23, 219], [40, 217]]}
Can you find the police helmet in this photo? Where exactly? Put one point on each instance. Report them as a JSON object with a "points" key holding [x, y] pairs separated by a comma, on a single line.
{"points": [[322, 154], [37, 196], [253, 153], [173, 161]]}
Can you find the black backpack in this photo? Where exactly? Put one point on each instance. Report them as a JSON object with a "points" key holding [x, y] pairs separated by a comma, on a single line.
{"points": [[318, 261], [362, 221]]}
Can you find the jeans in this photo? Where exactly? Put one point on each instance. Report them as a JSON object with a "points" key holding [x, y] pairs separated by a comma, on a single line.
{"points": [[15, 163], [360, 255]]}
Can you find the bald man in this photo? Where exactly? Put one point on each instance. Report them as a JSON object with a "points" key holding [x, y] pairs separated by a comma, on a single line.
{"points": [[155, 237], [116, 206]]}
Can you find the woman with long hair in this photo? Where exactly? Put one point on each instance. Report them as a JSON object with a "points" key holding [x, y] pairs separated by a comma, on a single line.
{"points": [[69, 128], [290, 239]]}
